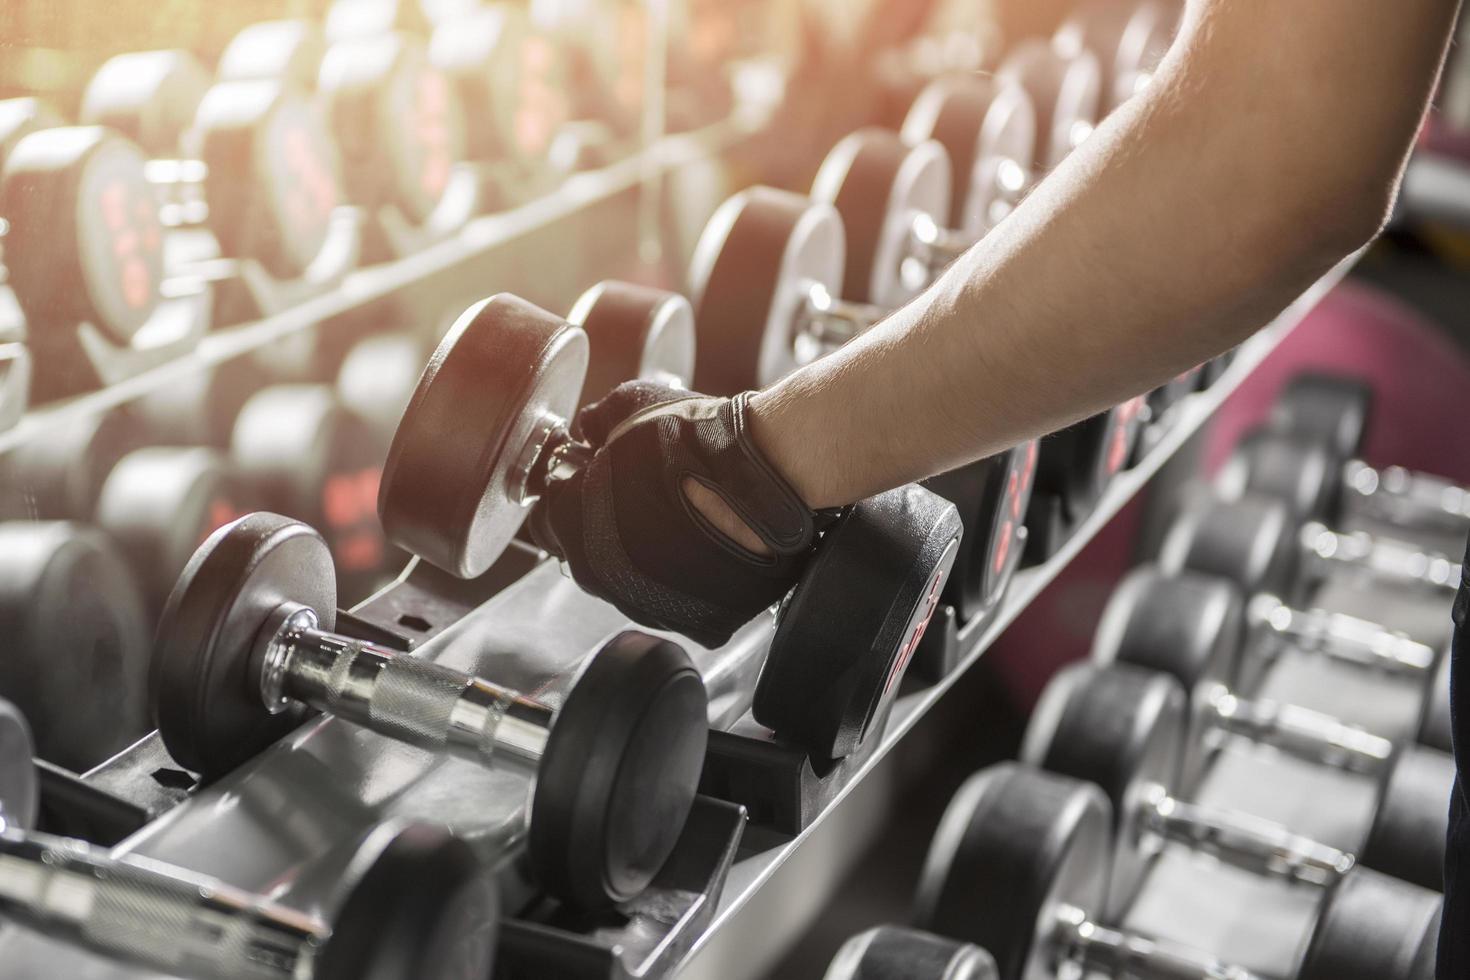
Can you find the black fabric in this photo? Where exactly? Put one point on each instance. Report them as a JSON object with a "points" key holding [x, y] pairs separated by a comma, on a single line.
{"points": [[628, 534], [1454, 933]]}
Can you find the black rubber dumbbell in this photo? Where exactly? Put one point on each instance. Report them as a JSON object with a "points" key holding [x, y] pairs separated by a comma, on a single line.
{"points": [[413, 902], [1123, 728], [1019, 866], [245, 648], [487, 429], [891, 952], [76, 640], [1188, 627]]}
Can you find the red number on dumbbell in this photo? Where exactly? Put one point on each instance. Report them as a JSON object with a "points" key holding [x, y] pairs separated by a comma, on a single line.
{"points": [[431, 128], [135, 233]]}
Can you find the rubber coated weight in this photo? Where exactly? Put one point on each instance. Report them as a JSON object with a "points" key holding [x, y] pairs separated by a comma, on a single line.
{"points": [[377, 378], [751, 280], [287, 51], [898, 953], [1077, 463], [1326, 409], [300, 451], [396, 120], [159, 504], [1305, 476], [61, 477], [148, 96], [501, 371], [200, 408], [416, 903], [634, 332], [620, 771], [481, 52], [1250, 541], [75, 641], [846, 632], [1128, 37], [1120, 728], [205, 688], [19, 792], [272, 181], [1435, 726], [988, 127], [1066, 93], [21, 117], [85, 244], [880, 186], [1374, 927], [1013, 846], [1407, 838]]}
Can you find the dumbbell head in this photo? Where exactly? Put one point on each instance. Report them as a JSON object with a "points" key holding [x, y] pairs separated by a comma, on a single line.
{"points": [[205, 677], [1066, 92], [273, 174], [397, 119], [19, 792], [1120, 728], [483, 51], [880, 186], [847, 631], [1128, 37], [1305, 477], [1251, 542], [19, 118], [61, 477], [416, 902], [85, 244], [288, 51], [1373, 927], [895, 952], [988, 128], [1014, 847], [454, 484], [377, 378], [751, 278], [634, 332], [75, 641], [1325, 409], [1407, 837], [148, 96], [1436, 725], [199, 408]]}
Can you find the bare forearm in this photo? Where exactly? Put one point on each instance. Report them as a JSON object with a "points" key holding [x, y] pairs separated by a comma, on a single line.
{"points": [[1265, 151]]}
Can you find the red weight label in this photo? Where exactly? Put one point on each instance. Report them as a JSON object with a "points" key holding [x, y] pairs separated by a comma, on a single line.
{"points": [[304, 177], [221, 511], [1018, 485], [927, 605], [350, 510], [542, 108], [1120, 435], [130, 265]]}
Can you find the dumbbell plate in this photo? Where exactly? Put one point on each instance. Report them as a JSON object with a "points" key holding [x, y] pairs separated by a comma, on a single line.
{"points": [[1250, 541], [1120, 728], [205, 680], [620, 771], [847, 631], [148, 96], [1407, 839], [481, 54], [880, 185], [893, 952], [417, 903], [1302, 475], [1066, 93], [1013, 847], [504, 368], [634, 332], [21, 117], [288, 51], [1435, 726], [751, 279], [19, 795], [1374, 927], [1327, 409]]}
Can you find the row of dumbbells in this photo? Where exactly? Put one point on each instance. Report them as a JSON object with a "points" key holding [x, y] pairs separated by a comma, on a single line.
{"points": [[1035, 865]]}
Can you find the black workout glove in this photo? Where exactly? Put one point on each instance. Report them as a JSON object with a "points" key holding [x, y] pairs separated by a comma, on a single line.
{"points": [[629, 535]]}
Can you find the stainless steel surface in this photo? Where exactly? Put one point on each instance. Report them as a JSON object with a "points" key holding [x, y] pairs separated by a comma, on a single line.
{"points": [[1113, 952], [1294, 730], [1402, 497], [1362, 554], [1340, 635]]}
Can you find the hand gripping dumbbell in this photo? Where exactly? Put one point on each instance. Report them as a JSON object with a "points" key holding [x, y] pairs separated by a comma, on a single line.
{"points": [[1189, 626], [1129, 38], [1122, 728], [414, 902], [1020, 863], [245, 647], [1254, 543], [488, 429], [891, 952], [1066, 90]]}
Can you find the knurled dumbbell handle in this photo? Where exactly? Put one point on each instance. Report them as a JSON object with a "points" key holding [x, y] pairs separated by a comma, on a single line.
{"points": [[1114, 952], [1247, 842], [412, 700], [1302, 733], [835, 321], [1342, 637], [160, 920], [1392, 560], [1405, 497]]}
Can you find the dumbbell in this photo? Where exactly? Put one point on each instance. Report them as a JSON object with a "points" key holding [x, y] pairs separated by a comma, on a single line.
{"points": [[84, 256], [245, 648], [151, 97], [1066, 91], [414, 902], [20, 117], [1019, 866], [634, 332], [1188, 627], [199, 408], [1122, 728], [288, 51], [1129, 38], [299, 450], [75, 641], [487, 430], [891, 952]]}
